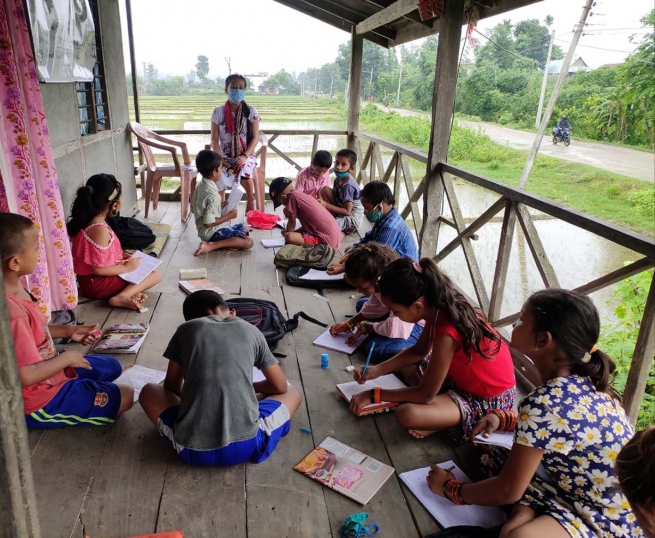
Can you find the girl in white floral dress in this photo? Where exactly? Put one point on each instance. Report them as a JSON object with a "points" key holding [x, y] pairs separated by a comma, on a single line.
{"points": [[569, 431]]}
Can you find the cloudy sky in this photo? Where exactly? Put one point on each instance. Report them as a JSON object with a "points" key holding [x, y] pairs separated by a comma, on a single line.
{"points": [[263, 35]]}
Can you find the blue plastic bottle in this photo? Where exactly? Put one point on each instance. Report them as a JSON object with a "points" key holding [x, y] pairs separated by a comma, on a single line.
{"points": [[324, 361]]}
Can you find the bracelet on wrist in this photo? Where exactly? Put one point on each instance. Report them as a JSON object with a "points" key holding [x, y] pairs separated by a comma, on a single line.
{"points": [[376, 395], [452, 490]]}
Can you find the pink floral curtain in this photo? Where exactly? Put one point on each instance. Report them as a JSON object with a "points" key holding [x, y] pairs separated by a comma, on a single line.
{"points": [[28, 180]]}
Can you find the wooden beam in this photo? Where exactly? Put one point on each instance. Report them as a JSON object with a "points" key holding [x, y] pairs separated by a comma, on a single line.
{"points": [[284, 156], [18, 512], [354, 85], [377, 159], [502, 261], [470, 229], [536, 247], [393, 165], [415, 31], [639, 243], [410, 152], [361, 177], [409, 186], [443, 100], [386, 15], [467, 247], [343, 11], [616, 276], [642, 359]]}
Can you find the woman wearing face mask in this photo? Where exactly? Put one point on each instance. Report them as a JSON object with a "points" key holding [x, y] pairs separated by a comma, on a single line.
{"points": [[234, 134], [389, 228]]}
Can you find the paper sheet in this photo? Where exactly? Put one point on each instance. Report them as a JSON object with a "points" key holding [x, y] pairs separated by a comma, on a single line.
{"points": [[445, 512], [283, 223], [273, 243], [148, 265], [387, 382], [498, 438], [337, 343], [257, 375], [315, 274], [139, 376], [233, 200]]}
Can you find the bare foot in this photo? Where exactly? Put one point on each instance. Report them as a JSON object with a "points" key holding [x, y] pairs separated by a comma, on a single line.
{"points": [[138, 299], [202, 249], [121, 301], [420, 434]]}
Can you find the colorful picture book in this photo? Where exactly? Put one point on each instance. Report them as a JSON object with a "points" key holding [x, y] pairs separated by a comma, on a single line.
{"points": [[445, 512], [389, 382], [345, 470], [123, 338], [189, 286]]}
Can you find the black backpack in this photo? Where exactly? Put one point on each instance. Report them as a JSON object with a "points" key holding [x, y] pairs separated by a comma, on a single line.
{"points": [[293, 279], [266, 316]]}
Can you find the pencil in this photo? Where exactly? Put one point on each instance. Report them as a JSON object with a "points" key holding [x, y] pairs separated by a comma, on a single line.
{"points": [[368, 359], [450, 469]]}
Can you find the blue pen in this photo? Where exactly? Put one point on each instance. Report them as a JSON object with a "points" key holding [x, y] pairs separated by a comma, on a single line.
{"points": [[368, 359]]}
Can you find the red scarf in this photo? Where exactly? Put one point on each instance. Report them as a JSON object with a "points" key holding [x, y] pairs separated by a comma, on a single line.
{"points": [[231, 122]]}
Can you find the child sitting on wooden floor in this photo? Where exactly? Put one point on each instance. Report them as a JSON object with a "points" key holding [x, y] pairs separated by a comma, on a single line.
{"points": [[59, 390], [389, 334], [208, 407], [343, 199], [318, 226], [206, 204]]}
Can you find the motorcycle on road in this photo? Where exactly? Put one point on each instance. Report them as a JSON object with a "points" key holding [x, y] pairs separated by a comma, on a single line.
{"points": [[561, 135]]}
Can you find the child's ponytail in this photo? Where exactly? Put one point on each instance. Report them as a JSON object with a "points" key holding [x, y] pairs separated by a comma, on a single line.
{"points": [[574, 324], [92, 199], [405, 281]]}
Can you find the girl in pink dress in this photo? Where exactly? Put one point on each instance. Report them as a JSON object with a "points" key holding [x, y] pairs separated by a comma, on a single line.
{"points": [[98, 258]]}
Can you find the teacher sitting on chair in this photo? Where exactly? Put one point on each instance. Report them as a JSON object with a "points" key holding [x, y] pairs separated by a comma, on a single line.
{"points": [[235, 133]]}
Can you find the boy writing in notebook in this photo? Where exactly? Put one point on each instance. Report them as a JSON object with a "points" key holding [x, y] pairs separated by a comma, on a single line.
{"points": [[209, 409], [213, 228], [318, 226], [59, 389]]}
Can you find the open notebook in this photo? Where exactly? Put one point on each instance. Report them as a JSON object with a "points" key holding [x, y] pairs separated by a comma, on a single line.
{"points": [[445, 512], [338, 342], [498, 438], [389, 381], [273, 243], [148, 265], [139, 376]]}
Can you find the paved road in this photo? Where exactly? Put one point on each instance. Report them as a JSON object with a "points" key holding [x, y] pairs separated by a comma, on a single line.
{"points": [[629, 162]]}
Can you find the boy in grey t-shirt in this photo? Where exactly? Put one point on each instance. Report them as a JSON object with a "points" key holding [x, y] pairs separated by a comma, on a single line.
{"points": [[209, 408]]}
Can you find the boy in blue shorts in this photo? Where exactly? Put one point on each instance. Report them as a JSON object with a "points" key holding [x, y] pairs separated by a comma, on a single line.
{"points": [[209, 409], [59, 390]]}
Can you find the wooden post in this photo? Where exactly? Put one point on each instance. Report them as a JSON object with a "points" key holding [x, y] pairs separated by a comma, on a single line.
{"points": [[443, 100], [635, 386], [354, 87], [18, 514]]}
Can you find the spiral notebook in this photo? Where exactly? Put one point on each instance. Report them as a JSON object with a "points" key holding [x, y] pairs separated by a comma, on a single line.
{"points": [[445, 512]]}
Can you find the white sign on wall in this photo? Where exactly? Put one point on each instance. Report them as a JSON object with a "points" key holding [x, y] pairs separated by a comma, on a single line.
{"points": [[64, 39]]}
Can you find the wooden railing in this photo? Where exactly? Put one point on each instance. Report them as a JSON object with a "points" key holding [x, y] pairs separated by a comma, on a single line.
{"points": [[513, 205]]}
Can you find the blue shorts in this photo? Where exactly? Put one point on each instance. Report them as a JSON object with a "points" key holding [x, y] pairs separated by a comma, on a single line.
{"points": [[228, 232], [274, 423], [90, 400]]}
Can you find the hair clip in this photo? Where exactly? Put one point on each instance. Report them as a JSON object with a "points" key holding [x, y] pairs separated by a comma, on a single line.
{"points": [[593, 349], [417, 267], [586, 358]]}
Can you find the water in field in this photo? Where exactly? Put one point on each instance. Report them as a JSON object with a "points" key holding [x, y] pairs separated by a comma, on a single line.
{"points": [[576, 255]]}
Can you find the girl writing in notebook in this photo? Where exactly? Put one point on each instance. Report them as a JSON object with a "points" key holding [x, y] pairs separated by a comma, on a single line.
{"points": [[568, 432], [469, 372], [387, 333], [98, 257]]}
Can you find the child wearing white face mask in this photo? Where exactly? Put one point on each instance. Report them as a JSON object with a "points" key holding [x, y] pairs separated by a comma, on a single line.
{"points": [[234, 136]]}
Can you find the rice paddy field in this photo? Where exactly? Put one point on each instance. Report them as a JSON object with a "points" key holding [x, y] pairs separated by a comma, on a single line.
{"points": [[277, 111]]}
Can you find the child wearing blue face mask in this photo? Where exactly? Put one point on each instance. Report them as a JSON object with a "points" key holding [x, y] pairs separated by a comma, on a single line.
{"points": [[234, 136], [343, 199]]}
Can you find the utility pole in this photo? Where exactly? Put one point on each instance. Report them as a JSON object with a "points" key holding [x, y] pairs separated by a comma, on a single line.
{"points": [[553, 98], [400, 77], [229, 65], [544, 83]]}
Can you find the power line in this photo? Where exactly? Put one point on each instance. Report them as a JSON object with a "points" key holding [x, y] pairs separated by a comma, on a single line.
{"points": [[598, 48], [531, 60]]}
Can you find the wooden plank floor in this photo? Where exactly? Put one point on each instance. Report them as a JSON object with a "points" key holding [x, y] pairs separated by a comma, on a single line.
{"points": [[123, 480]]}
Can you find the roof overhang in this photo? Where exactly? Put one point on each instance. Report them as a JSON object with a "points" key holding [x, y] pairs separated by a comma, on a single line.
{"points": [[387, 22]]}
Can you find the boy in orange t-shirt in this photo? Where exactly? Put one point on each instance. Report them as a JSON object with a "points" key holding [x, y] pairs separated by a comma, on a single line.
{"points": [[64, 389]]}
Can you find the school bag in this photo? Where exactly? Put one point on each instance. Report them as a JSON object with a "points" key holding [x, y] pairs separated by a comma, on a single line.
{"points": [[293, 279], [314, 256], [266, 316]]}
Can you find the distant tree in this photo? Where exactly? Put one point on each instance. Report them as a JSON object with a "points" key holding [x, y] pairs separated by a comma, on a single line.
{"points": [[283, 81], [191, 77], [532, 40], [202, 67]]}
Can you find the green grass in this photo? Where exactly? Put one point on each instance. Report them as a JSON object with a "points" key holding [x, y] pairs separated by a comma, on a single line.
{"points": [[619, 199]]}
